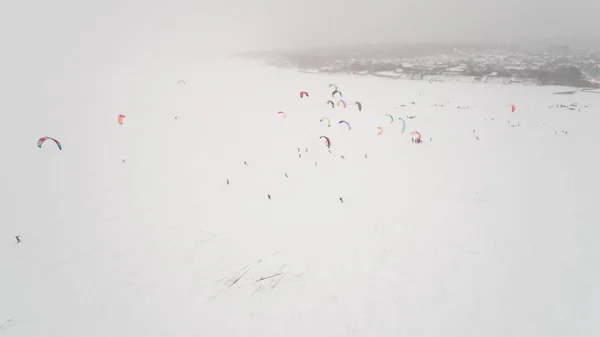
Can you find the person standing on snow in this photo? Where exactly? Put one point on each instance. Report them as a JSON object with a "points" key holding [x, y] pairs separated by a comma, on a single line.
{"points": [[341, 200], [18, 237]]}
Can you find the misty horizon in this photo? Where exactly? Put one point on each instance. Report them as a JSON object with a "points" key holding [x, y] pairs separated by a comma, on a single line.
{"points": [[122, 29]]}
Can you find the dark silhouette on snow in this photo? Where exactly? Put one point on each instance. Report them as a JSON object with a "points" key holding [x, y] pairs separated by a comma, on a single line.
{"points": [[18, 237], [227, 181], [341, 200], [286, 175], [245, 163], [269, 196]]}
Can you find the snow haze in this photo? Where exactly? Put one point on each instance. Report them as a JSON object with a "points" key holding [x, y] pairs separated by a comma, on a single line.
{"points": [[133, 32]]}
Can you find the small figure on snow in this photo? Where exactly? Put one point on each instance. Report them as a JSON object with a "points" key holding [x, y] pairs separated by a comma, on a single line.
{"points": [[477, 137], [365, 156], [227, 181], [18, 237], [306, 150], [299, 155], [343, 157], [123, 161], [316, 165], [245, 163], [286, 175], [341, 200], [269, 196]]}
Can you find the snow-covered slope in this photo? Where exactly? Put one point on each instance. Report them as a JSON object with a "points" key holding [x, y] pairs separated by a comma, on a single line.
{"points": [[452, 237]]}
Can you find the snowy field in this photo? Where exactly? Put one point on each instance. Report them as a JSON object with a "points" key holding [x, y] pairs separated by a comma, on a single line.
{"points": [[489, 228]]}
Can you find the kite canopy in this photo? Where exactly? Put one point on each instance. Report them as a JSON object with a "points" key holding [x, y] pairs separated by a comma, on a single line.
{"points": [[341, 101], [332, 104], [403, 124], [359, 104], [379, 130], [336, 92], [344, 122], [513, 108], [44, 139], [121, 118], [282, 113], [326, 119], [181, 82], [303, 93], [391, 118], [327, 140]]}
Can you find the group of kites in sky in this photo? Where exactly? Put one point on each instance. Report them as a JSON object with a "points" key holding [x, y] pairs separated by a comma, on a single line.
{"points": [[417, 138], [336, 93]]}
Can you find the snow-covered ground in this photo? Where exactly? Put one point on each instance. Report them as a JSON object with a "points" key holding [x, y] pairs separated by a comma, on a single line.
{"points": [[454, 237]]}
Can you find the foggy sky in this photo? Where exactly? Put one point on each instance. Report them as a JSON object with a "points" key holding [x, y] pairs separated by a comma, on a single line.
{"points": [[67, 31]]}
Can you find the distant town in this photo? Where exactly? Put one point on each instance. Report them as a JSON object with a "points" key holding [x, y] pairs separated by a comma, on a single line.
{"points": [[555, 65]]}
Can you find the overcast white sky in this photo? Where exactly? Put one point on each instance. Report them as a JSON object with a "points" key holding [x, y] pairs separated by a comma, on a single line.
{"points": [[66, 31]]}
